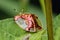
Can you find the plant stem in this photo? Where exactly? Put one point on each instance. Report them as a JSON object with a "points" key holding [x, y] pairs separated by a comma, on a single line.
{"points": [[47, 8]]}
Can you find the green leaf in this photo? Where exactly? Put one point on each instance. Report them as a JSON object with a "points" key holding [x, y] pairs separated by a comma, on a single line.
{"points": [[56, 24], [38, 35], [9, 30]]}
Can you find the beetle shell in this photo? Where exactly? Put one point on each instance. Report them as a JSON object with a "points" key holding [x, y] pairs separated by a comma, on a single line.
{"points": [[27, 22]]}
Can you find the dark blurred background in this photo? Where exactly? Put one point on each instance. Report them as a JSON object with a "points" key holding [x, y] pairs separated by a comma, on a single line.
{"points": [[55, 7]]}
